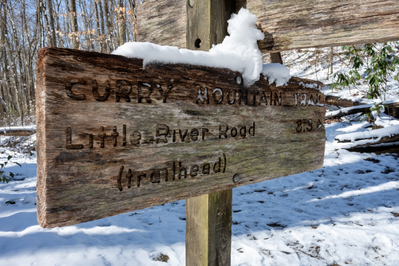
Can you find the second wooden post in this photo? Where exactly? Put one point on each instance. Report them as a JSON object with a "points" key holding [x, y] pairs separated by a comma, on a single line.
{"points": [[208, 217]]}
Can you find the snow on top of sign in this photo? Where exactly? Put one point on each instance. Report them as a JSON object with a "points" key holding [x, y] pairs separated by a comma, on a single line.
{"points": [[239, 52], [278, 73]]}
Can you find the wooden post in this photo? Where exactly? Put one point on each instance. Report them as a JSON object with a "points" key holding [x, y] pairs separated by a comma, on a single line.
{"points": [[208, 217], [276, 58]]}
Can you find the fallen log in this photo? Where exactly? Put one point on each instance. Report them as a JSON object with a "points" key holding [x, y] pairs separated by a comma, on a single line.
{"points": [[377, 136], [391, 147], [17, 131], [384, 140], [348, 111], [391, 108], [338, 101]]}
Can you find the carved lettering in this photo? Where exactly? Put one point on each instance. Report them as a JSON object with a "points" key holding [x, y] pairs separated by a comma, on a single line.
{"points": [[223, 131], [165, 174], [161, 130], [307, 125], [204, 131], [228, 97], [183, 136], [254, 94], [206, 168], [124, 88], [157, 176], [233, 132], [164, 93], [162, 134], [144, 92], [68, 140], [277, 99], [243, 96], [202, 96], [318, 98], [91, 141], [194, 134], [303, 99], [319, 125], [68, 89], [296, 98], [102, 137], [194, 170], [124, 135], [263, 98], [114, 136], [140, 177], [216, 166], [251, 130], [135, 138], [310, 125], [148, 140], [96, 95], [299, 125], [182, 169], [311, 100], [129, 176], [119, 179], [217, 99], [243, 131]]}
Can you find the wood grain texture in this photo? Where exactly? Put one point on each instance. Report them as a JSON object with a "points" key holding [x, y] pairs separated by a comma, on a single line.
{"points": [[162, 22], [207, 23], [297, 24], [100, 130], [208, 232], [288, 24]]}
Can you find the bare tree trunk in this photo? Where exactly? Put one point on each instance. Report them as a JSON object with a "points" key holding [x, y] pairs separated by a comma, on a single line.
{"points": [[39, 25], [332, 61], [98, 28], [12, 88], [87, 29], [133, 11], [107, 25], [121, 23], [74, 22], [53, 41]]}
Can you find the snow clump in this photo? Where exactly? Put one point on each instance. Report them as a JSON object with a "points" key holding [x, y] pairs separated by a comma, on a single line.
{"points": [[239, 52]]}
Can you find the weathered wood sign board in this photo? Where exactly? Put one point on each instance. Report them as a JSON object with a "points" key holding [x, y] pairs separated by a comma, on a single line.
{"points": [[113, 137], [286, 24]]}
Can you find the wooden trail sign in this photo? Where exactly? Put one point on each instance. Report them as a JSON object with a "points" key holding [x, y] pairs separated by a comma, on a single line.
{"points": [[286, 24], [113, 137]]}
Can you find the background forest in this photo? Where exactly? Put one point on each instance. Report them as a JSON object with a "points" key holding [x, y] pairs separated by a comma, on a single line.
{"points": [[26, 26]]}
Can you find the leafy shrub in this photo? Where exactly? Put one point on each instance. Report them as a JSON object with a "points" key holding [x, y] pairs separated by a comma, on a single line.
{"points": [[380, 63], [4, 177]]}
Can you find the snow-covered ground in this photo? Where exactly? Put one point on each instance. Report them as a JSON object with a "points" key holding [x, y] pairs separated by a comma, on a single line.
{"points": [[346, 213]]}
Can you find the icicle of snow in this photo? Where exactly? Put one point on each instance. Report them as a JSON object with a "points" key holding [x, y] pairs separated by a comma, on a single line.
{"points": [[276, 72]]}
